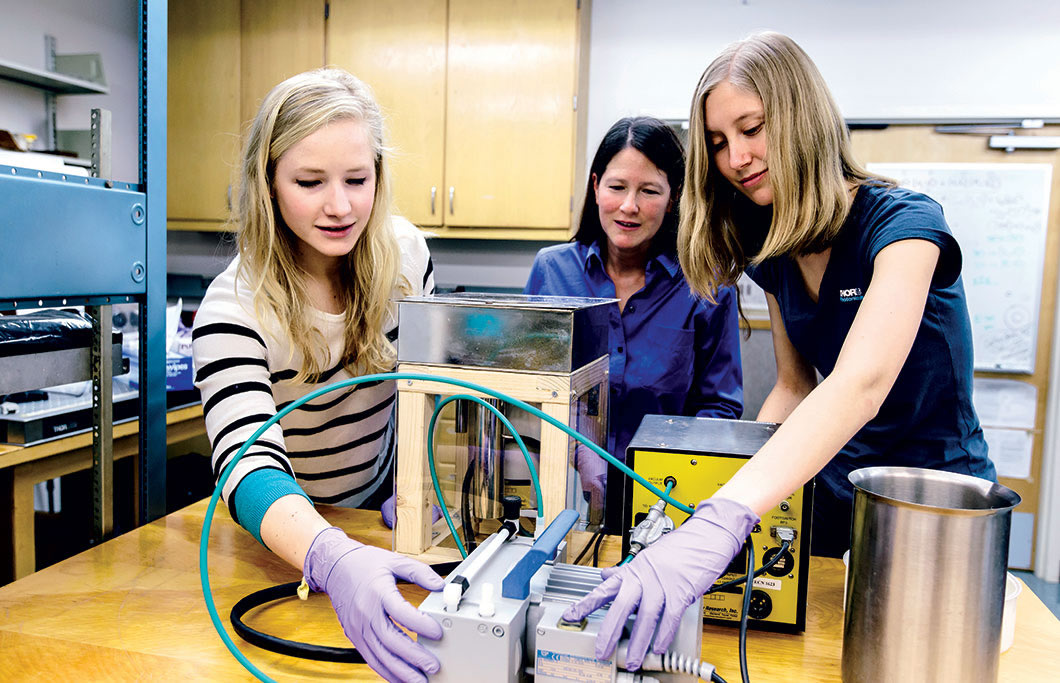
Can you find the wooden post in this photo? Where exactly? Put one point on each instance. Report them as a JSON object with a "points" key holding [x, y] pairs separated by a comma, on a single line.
{"points": [[412, 505], [22, 521], [555, 458], [553, 391]]}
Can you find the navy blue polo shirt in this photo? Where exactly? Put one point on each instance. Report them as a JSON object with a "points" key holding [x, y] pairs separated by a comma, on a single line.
{"points": [[670, 352], [927, 419]]}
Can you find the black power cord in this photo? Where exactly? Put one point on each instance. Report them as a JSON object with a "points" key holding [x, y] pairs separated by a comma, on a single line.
{"points": [[294, 648], [465, 510], [291, 648], [761, 570], [746, 609], [748, 580], [585, 550], [596, 550]]}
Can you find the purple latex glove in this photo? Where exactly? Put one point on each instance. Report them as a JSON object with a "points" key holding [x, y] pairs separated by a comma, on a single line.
{"points": [[359, 579], [388, 511], [593, 472], [665, 578]]}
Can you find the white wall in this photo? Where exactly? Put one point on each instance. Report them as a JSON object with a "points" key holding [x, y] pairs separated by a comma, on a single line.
{"points": [[897, 59], [900, 59], [106, 27]]}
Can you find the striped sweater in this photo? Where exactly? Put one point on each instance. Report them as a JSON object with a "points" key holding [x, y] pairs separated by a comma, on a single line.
{"points": [[339, 446]]}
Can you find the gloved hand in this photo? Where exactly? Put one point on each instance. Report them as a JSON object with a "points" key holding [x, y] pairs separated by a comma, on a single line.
{"points": [[359, 579], [388, 511], [665, 578], [593, 472]]}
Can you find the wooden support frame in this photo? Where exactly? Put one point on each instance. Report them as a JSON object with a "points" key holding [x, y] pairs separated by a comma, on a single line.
{"points": [[556, 392]]}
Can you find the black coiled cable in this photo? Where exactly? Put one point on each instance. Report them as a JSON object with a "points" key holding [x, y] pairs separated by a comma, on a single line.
{"points": [[294, 648]]}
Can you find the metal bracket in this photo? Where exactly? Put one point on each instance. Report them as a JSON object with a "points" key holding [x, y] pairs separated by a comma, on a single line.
{"points": [[101, 143], [51, 137], [1012, 142], [102, 423]]}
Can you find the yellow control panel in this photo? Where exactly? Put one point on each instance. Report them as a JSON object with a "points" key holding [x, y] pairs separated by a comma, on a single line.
{"points": [[702, 454]]}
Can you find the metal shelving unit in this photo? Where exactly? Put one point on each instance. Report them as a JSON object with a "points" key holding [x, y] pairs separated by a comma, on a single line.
{"points": [[52, 82], [70, 240], [57, 83]]}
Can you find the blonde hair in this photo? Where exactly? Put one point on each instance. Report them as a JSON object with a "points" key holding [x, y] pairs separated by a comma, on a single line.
{"points": [[291, 111], [811, 164]]}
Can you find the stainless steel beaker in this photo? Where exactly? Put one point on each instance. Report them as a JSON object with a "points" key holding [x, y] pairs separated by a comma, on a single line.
{"points": [[928, 555]]}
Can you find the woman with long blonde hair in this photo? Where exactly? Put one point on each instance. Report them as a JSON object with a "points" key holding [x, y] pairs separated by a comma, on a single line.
{"points": [[863, 284], [309, 301]]}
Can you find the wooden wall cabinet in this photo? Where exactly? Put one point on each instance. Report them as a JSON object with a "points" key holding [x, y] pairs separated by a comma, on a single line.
{"points": [[482, 101], [224, 56], [279, 39], [203, 121]]}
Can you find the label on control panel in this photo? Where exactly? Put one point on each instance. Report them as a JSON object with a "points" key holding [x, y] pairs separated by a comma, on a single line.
{"points": [[566, 667], [768, 584]]}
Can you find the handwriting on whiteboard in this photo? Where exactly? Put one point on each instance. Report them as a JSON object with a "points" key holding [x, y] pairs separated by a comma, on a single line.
{"points": [[999, 215]]}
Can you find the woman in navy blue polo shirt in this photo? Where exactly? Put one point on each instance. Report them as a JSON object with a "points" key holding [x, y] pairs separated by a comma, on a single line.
{"points": [[671, 353], [863, 284]]}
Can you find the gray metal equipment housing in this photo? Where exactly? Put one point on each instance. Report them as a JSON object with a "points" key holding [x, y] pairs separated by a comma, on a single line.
{"points": [[503, 331]]}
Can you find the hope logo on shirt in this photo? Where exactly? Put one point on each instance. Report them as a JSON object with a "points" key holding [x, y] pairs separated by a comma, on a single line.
{"points": [[852, 294]]}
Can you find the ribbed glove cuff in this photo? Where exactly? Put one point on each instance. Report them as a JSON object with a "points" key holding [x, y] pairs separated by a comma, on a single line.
{"points": [[329, 546], [734, 517]]}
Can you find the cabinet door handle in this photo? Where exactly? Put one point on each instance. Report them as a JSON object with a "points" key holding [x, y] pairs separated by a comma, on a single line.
{"points": [[434, 193], [452, 191]]}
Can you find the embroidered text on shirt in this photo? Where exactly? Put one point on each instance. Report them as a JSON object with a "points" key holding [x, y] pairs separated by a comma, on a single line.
{"points": [[852, 294]]}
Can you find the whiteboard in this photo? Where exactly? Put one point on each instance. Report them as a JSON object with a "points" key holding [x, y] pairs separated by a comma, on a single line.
{"points": [[999, 215]]}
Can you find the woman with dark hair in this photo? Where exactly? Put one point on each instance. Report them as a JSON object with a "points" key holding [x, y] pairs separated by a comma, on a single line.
{"points": [[670, 352]]}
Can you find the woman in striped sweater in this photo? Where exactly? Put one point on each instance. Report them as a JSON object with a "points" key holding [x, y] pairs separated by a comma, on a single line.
{"points": [[309, 301]]}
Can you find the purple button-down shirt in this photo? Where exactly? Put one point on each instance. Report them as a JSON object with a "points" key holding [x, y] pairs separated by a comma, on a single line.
{"points": [[671, 353]]}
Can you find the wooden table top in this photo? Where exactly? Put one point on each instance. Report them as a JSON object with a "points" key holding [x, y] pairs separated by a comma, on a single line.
{"points": [[132, 609]]}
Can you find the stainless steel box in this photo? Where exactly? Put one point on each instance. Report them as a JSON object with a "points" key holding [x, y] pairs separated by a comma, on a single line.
{"points": [[504, 331]]}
